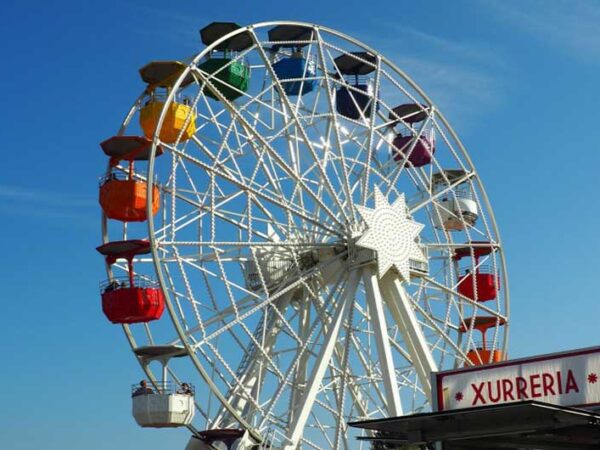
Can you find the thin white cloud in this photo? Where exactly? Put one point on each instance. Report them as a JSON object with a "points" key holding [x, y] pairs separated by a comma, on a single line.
{"points": [[571, 26], [170, 26], [463, 78], [469, 52], [47, 207], [15, 194], [49, 214]]}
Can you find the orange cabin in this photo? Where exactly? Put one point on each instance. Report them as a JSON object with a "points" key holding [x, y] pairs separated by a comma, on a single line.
{"points": [[481, 356], [123, 197], [483, 353], [125, 200], [134, 299]]}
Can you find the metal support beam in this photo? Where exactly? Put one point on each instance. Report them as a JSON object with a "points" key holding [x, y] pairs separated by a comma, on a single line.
{"points": [[400, 306], [386, 363], [322, 362]]}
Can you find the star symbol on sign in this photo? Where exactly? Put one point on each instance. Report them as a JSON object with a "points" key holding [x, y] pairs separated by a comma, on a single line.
{"points": [[592, 378], [459, 396], [392, 234]]}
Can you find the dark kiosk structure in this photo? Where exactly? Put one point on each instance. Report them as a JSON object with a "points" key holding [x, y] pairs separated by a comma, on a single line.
{"points": [[522, 425]]}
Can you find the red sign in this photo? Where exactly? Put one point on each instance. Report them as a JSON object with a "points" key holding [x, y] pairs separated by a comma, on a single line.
{"points": [[566, 379]]}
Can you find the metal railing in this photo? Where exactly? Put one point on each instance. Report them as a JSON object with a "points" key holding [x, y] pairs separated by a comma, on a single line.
{"points": [[161, 95], [461, 192], [122, 282], [419, 266], [138, 175], [163, 388], [483, 269]]}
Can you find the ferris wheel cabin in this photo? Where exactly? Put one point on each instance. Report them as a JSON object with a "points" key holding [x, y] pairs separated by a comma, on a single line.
{"points": [[134, 299], [410, 147], [270, 270], [456, 210], [355, 100], [123, 194], [228, 75], [180, 120], [294, 71], [167, 404], [221, 439], [269, 267], [478, 281], [484, 353]]}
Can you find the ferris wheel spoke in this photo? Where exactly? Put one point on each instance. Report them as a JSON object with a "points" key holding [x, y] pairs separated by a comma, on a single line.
{"points": [[300, 280], [251, 369], [371, 132], [440, 333], [476, 305], [201, 211], [329, 85], [273, 183], [263, 157], [221, 315], [360, 352], [257, 192], [323, 360], [253, 135], [305, 332], [302, 353], [300, 128]]}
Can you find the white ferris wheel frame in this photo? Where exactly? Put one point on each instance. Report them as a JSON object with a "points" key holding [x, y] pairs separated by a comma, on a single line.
{"points": [[422, 359]]}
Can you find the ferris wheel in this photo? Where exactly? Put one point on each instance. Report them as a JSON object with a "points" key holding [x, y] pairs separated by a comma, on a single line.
{"points": [[315, 230]]}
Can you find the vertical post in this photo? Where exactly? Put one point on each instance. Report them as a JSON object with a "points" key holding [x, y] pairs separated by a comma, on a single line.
{"points": [[130, 270], [322, 361], [164, 363], [384, 352], [403, 313]]}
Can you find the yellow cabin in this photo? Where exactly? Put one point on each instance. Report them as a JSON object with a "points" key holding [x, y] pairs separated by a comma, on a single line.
{"points": [[180, 119]]}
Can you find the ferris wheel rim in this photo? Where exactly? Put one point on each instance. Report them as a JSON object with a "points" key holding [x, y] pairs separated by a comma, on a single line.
{"points": [[151, 169]]}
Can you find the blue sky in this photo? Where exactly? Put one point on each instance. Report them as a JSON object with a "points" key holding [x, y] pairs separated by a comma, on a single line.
{"points": [[517, 79]]}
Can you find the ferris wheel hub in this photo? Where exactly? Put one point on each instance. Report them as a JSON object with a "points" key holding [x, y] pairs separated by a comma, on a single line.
{"points": [[392, 234]]}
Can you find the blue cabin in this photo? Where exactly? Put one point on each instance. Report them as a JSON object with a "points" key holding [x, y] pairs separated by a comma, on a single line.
{"points": [[355, 99], [295, 72]]}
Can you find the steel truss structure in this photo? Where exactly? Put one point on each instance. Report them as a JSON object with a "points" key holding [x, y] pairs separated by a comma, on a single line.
{"points": [[290, 330]]}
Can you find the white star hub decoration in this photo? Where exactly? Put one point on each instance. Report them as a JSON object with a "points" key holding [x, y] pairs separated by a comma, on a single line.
{"points": [[392, 234]]}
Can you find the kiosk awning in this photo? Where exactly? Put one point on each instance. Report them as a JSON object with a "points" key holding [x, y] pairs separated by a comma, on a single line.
{"points": [[532, 425]]}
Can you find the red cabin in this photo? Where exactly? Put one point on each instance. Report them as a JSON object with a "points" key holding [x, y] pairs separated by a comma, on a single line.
{"points": [[481, 285], [134, 299], [483, 354], [123, 196]]}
